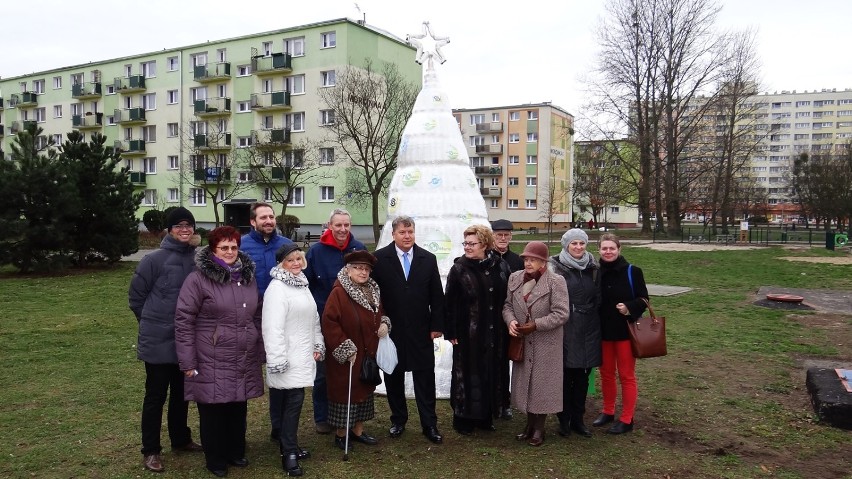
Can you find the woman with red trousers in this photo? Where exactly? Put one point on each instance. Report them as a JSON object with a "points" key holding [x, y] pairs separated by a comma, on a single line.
{"points": [[622, 290]]}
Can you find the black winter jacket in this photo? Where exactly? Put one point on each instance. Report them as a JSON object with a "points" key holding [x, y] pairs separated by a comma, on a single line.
{"points": [[615, 288], [581, 343]]}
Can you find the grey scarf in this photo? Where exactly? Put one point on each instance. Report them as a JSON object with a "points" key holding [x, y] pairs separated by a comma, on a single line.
{"points": [[578, 264]]}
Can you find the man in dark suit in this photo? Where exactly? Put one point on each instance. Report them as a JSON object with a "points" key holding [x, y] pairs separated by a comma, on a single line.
{"points": [[413, 299], [502, 235]]}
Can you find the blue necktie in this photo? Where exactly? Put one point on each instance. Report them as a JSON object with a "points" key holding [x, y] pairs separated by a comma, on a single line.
{"points": [[406, 265]]}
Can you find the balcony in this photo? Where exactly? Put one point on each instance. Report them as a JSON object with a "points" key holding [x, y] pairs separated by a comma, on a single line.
{"points": [[221, 141], [274, 64], [86, 91], [491, 127], [212, 174], [27, 99], [492, 149], [1, 104], [131, 84], [212, 108], [137, 178], [89, 121], [493, 170], [491, 192], [275, 138], [274, 101], [131, 147], [211, 74], [130, 116]]}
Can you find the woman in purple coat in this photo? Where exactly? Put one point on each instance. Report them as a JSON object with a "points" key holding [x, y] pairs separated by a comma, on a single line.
{"points": [[220, 346]]}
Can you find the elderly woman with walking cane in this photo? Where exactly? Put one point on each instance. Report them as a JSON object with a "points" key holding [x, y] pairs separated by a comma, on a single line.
{"points": [[352, 323]]}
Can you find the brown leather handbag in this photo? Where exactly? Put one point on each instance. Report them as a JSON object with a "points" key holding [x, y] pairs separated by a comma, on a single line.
{"points": [[648, 335], [516, 348]]}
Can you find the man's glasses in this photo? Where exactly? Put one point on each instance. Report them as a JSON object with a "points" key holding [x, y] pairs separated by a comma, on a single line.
{"points": [[183, 227], [227, 248], [470, 244]]}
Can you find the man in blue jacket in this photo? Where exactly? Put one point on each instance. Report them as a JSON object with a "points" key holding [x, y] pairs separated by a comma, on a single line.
{"points": [[325, 259], [260, 244], [153, 298]]}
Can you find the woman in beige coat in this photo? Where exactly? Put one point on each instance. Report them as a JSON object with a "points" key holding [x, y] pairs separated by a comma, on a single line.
{"points": [[536, 308]]}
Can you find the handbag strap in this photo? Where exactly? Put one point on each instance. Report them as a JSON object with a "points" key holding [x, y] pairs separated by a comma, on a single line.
{"points": [[630, 279], [650, 309]]}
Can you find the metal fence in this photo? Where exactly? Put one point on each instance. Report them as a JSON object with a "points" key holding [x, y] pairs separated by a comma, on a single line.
{"points": [[766, 235]]}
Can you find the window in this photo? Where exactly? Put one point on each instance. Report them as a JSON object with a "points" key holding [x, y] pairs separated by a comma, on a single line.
{"points": [[267, 121], [294, 158], [150, 198], [844, 112], [477, 119], [149, 69], [172, 97], [532, 137], [514, 115], [495, 117], [57, 139], [514, 137], [149, 165], [244, 142], [476, 140], [243, 107], [57, 111], [326, 193], [198, 93], [328, 39], [171, 130], [267, 48], [532, 115], [513, 181], [803, 114], [243, 70], [38, 86], [149, 133], [267, 194], [295, 46], [328, 78], [40, 114], [266, 86], [514, 160], [513, 204], [802, 103], [128, 102], [222, 55], [326, 156], [803, 125], [149, 101], [297, 196], [532, 181], [222, 90], [57, 83], [495, 203], [110, 89], [110, 120], [295, 84], [614, 210], [197, 196], [174, 195], [532, 159], [199, 59], [531, 204], [245, 177], [295, 121], [172, 64], [174, 163]]}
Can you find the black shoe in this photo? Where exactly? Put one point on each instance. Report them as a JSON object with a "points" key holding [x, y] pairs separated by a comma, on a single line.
{"points": [[563, 431], [341, 442], [464, 431], [241, 462], [396, 430], [303, 454], [603, 419], [620, 428], [364, 438], [506, 413], [580, 429], [433, 435], [218, 472], [290, 463]]}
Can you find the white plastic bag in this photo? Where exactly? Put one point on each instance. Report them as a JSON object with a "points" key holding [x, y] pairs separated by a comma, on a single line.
{"points": [[386, 355]]}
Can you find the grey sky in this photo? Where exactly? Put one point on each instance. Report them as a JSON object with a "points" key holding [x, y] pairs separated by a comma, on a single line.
{"points": [[500, 53]]}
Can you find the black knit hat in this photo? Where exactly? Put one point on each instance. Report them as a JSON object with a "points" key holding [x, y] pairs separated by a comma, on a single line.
{"points": [[285, 250], [179, 214]]}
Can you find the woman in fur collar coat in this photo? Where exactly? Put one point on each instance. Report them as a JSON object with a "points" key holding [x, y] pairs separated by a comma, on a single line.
{"points": [[219, 346], [352, 323]]}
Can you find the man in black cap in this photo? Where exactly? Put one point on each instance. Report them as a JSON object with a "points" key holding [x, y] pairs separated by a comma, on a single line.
{"points": [[502, 235], [153, 298]]}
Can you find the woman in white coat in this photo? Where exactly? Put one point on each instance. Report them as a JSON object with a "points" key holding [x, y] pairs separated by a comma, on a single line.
{"points": [[294, 343]]}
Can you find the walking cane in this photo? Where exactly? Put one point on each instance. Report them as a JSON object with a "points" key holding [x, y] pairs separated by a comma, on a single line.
{"points": [[348, 407]]}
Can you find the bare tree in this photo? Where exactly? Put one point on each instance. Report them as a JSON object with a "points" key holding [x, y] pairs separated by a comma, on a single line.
{"points": [[554, 196], [214, 168], [822, 183], [604, 175], [367, 112]]}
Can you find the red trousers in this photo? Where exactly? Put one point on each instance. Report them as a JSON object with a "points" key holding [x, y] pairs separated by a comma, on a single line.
{"points": [[617, 355]]}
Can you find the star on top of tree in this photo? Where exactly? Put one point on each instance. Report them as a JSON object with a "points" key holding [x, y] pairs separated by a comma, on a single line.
{"points": [[428, 45]]}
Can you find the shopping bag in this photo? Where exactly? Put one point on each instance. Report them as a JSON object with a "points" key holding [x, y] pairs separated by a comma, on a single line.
{"points": [[386, 355]]}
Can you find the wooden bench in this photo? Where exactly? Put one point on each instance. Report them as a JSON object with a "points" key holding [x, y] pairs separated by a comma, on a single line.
{"points": [[696, 239], [533, 230], [726, 239]]}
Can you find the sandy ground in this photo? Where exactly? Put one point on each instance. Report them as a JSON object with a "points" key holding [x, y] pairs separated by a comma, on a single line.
{"points": [[716, 247]]}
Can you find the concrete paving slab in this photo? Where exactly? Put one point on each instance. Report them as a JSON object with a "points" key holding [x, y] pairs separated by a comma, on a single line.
{"points": [[824, 300], [665, 290]]}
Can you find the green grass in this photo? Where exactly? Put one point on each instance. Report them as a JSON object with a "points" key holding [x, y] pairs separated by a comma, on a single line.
{"points": [[728, 401]]}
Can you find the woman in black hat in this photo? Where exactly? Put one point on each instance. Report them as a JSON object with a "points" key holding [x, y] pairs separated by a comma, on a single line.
{"points": [[352, 323], [293, 342]]}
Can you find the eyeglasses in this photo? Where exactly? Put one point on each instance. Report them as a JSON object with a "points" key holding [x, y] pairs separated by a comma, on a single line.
{"points": [[183, 227], [470, 244], [227, 248], [502, 235], [361, 267]]}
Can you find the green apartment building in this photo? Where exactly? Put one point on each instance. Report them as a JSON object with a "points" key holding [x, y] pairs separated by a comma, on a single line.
{"points": [[179, 115]]}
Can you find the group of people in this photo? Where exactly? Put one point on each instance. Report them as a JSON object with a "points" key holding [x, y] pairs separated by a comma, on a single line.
{"points": [[211, 318]]}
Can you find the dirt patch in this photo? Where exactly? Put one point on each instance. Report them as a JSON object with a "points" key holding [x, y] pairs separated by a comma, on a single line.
{"points": [[821, 259], [694, 247]]}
